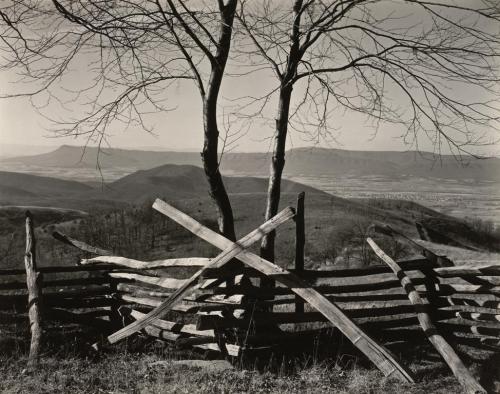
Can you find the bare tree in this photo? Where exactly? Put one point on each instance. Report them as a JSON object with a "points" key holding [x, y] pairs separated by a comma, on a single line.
{"points": [[429, 66], [128, 54]]}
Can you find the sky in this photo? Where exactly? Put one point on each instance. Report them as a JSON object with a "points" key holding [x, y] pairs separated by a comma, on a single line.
{"points": [[181, 128]]}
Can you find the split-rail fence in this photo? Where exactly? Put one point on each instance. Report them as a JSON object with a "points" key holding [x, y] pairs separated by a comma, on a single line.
{"points": [[218, 303]]}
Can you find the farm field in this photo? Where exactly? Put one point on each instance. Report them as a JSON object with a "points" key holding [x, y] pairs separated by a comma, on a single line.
{"points": [[462, 199]]}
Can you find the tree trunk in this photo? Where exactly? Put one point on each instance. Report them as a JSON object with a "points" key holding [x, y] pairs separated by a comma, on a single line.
{"points": [[276, 171], [210, 158], [210, 147], [278, 159], [33, 282]]}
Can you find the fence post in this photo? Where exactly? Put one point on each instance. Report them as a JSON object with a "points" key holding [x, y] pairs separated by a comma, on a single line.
{"points": [[115, 317], [300, 239], [34, 284]]}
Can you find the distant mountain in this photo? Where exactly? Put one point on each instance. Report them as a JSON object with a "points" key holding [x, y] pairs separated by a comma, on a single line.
{"points": [[12, 150], [170, 181], [301, 161], [79, 157], [390, 163]]}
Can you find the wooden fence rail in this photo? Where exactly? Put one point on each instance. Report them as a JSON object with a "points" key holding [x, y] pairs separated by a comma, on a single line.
{"points": [[224, 302]]}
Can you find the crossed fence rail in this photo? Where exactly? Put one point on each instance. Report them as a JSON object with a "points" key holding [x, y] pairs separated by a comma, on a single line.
{"points": [[218, 304]]}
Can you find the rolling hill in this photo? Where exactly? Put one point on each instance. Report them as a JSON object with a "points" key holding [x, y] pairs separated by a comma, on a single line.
{"points": [[300, 161], [24, 186], [171, 181], [185, 181], [186, 186]]}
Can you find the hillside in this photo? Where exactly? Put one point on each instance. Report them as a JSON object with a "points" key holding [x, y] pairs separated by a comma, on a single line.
{"points": [[25, 189], [175, 182], [300, 161], [170, 181], [122, 209]]}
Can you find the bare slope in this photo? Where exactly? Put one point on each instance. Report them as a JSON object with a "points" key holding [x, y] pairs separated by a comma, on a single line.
{"points": [[16, 188], [175, 182]]}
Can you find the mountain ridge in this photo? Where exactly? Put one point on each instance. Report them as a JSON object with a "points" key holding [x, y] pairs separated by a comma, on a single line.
{"points": [[299, 161]]}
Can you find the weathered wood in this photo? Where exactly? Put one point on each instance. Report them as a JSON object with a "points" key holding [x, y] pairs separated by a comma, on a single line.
{"points": [[463, 321], [205, 322], [172, 331], [142, 265], [34, 285], [459, 370], [228, 254], [300, 240], [232, 350], [58, 283], [54, 269], [193, 341], [175, 327], [444, 288], [480, 317], [377, 354], [352, 308], [184, 306], [80, 245], [465, 270], [98, 264], [83, 318], [160, 333], [473, 302], [167, 283], [452, 326], [51, 296], [471, 309], [320, 278], [140, 291], [164, 282], [441, 261]]}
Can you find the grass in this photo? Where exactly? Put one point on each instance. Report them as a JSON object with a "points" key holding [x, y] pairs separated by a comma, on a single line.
{"points": [[140, 365], [127, 372]]}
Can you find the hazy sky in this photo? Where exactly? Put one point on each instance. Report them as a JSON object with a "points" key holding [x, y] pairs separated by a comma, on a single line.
{"points": [[181, 129]]}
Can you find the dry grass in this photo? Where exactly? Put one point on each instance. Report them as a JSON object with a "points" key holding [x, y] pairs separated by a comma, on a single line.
{"points": [[67, 367], [133, 373]]}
